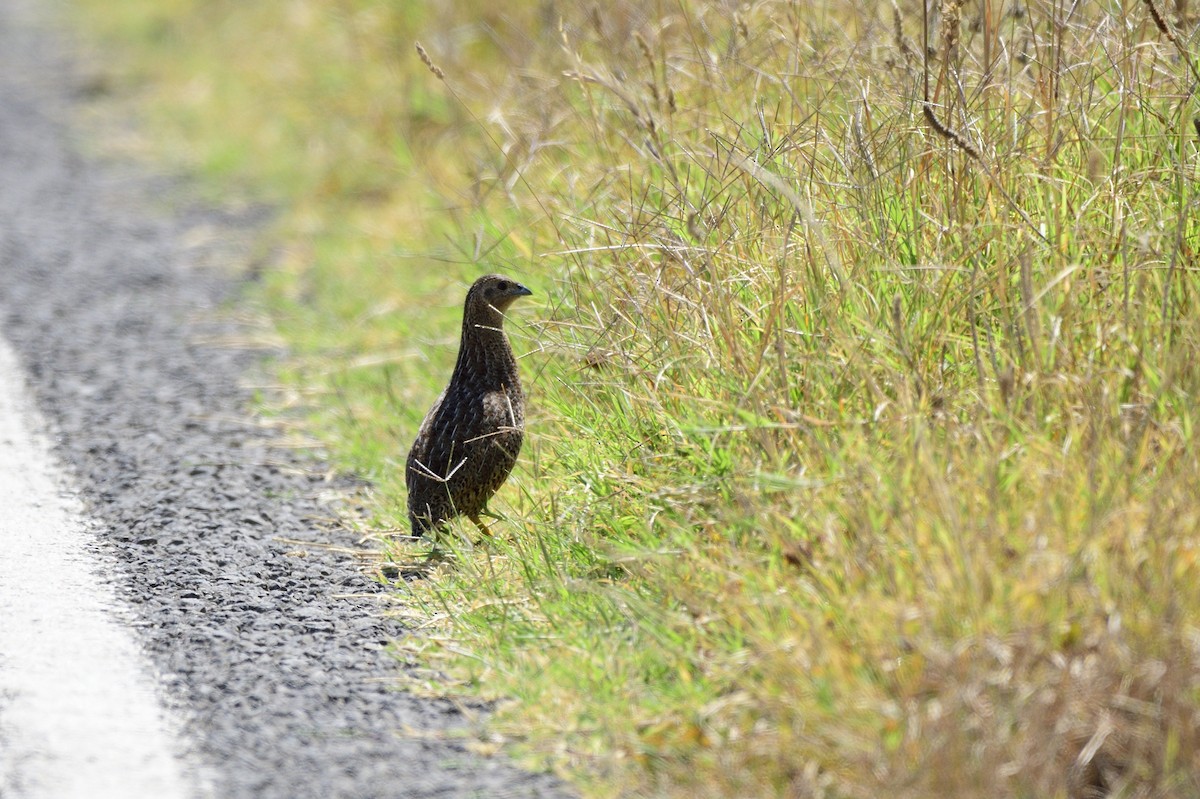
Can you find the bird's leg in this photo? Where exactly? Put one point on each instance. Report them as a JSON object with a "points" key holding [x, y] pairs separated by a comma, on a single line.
{"points": [[483, 527]]}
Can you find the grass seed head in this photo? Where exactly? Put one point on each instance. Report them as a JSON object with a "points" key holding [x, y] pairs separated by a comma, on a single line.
{"points": [[428, 62]]}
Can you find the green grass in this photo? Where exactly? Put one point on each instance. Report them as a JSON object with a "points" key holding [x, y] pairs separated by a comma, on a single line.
{"points": [[858, 464]]}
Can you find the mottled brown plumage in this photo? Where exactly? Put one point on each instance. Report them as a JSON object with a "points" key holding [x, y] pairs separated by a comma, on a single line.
{"points": [[470, 438]]}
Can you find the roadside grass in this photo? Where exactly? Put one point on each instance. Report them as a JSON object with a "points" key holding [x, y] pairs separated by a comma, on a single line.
{"points": [[862, 452]]}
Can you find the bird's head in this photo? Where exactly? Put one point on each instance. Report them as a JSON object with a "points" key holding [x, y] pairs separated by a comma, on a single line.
{"points": [[493, 293]]}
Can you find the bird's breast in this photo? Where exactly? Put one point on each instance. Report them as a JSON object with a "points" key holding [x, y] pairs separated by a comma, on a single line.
{"points": [[504, 408]]}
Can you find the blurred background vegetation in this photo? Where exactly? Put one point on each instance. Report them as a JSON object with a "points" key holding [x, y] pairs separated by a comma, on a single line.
{"points": [[861, 455]]}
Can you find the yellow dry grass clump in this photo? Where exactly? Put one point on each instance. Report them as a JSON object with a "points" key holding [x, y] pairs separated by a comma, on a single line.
{"points": [[862, 456]]}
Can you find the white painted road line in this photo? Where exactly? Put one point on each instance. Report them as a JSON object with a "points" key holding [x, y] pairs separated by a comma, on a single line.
{"points": [[79, 715]]}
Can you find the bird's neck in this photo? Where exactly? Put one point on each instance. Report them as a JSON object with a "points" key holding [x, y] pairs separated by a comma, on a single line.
{"points": [[484, 351]]}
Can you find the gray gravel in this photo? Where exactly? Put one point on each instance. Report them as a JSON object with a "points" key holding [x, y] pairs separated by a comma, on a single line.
{"points": [[286, 684]]}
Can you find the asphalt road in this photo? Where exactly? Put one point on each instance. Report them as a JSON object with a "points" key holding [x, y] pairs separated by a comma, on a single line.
{"points": [[266, 647], [90, 724]]}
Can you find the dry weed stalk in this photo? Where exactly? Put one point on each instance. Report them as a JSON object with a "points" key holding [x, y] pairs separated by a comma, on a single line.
{"points": [[860, 139], [1168, 30], [902, 43], [510, 162], [950, 29]]}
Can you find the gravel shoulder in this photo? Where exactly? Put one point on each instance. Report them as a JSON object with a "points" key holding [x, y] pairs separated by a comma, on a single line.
{"points": [[272, 646]]}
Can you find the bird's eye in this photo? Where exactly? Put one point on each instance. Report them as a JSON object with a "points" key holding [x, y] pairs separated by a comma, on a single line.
{"points": [[502, 285]]}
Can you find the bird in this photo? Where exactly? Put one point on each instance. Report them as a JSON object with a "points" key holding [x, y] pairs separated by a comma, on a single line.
{"points": [[469, 440]]}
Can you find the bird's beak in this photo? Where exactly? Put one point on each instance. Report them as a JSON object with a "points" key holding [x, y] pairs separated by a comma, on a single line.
{"points": [[520, 291]]}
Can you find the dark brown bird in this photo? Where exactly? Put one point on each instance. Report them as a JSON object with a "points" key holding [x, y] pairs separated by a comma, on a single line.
{"points": [[470, 438]]}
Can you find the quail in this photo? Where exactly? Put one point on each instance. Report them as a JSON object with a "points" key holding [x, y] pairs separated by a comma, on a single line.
{"points": [[469, 440]]}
